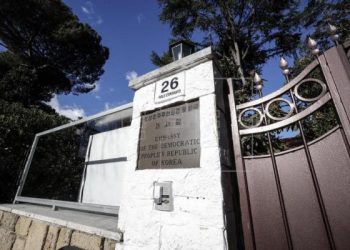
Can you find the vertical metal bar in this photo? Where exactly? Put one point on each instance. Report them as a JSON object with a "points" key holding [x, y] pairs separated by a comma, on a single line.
{"points": [[278, 184], [26, 168], [314, 177], [82, 184], [247, 223], [347, 146], [333, 75], [87, 158], [23, 163], [336, 69]]}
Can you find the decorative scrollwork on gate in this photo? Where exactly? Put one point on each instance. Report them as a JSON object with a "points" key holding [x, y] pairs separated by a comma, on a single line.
{"points": [[262, 106], [267, 109], [261, 117], [312, 80]]}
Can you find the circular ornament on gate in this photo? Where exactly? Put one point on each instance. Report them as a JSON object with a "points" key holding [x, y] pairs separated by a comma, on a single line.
{"points": [[257, 124], [312, 80], [290, 112]]}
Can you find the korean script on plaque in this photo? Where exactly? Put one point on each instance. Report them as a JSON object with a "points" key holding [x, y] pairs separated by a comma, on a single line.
{"points": [[170, 138]]}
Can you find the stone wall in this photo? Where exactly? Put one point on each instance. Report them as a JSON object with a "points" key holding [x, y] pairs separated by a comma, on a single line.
{"points": [[23, 233]]}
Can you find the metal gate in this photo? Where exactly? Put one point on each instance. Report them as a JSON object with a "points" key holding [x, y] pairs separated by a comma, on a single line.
{"points": [[299, 198]]}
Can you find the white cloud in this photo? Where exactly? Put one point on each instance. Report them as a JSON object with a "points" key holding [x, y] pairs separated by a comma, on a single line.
{"points": [[85, 10], [97, 97], [72, 112], [107, 106], [131, 75], [97, 86], [99, 20], [112, 105], [139, 18], [88, 9]]}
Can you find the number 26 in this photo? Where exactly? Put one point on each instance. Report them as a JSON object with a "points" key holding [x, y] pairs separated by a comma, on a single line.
{"points": [[173, 85]]}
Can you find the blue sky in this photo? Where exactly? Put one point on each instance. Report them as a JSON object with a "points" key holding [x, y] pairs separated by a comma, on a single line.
{"points": [[131, 30]]}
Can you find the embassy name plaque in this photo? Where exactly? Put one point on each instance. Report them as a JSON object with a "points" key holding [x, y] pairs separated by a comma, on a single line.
{"points": [[170, 138]]}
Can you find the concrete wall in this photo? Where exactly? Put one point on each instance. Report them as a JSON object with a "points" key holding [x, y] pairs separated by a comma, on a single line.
{"points": [[197, 219], [103, 184], [23, 233]]}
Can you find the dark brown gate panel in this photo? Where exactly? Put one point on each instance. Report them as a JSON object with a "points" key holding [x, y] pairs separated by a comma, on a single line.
{"points": [[265, 208], [332, 165], [299, 198], [303, 213]]}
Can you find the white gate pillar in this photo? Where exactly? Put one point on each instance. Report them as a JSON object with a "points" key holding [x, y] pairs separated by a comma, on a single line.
{"points": [[196, 220]]}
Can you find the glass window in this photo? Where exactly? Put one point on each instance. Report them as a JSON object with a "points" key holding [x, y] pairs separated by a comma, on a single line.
{"points": [[58, 162]]}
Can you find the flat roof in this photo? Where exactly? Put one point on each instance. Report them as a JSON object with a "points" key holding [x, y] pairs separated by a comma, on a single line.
{"points": [[124, 111]]}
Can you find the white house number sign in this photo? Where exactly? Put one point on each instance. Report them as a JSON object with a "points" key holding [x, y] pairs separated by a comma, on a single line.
{"points": [[169, 88]]}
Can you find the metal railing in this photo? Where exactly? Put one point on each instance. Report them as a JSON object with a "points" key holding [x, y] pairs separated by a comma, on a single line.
{"points": [[122, 115]]}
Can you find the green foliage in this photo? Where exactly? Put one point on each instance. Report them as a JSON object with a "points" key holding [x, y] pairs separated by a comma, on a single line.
{"points": [[18, 126], [47, 51], [323, 119], [319, 13], [57, 166], [21, 83], [320, 122], [316, 17], [50, 50], [161, 60], [245, 34], [242, 32]]}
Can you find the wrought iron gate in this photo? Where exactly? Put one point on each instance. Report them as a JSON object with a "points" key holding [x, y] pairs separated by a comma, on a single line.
{"points": [[299, 198]]}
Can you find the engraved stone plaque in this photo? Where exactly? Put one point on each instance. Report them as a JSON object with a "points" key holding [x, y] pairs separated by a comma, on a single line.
{"points": [[170, 138]]}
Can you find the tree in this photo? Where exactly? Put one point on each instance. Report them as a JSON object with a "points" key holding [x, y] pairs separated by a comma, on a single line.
{"points": [[56, 171], [18, 125], [245, 33], [48, 51], [319, 14], [161, 60], [317, 17]]}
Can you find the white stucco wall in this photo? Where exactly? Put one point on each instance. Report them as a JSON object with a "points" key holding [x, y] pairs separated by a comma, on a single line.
{"points": [[104, 182], [197, 219]]}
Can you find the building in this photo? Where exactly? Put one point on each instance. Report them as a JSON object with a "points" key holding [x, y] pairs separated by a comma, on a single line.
{"points": [[168, 170]]}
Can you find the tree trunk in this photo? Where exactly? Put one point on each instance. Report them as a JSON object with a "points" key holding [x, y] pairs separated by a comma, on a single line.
{"points": [[237, 60], [231, 31]]}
